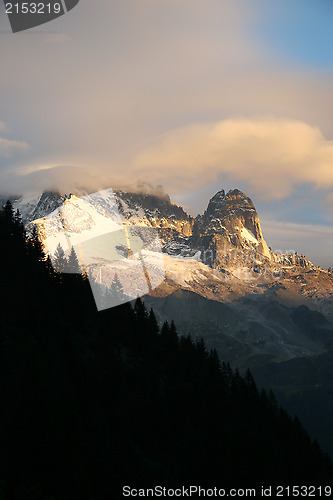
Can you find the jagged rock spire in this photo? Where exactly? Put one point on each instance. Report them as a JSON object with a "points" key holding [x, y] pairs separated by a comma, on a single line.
{"points": [[234, 217]]}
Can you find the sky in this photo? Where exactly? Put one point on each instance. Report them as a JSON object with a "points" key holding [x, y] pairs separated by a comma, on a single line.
{"points": [[195, 95]]}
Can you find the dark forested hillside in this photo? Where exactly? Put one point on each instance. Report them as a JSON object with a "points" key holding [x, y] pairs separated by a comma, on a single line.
{"points": [[92, 401]]}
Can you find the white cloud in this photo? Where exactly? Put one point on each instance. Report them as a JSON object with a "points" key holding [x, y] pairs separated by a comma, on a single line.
{"points": [[8, 147], [270, 155]]}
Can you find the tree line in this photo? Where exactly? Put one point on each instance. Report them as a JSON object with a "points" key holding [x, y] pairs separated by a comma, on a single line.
{"points": [[92, 401]]}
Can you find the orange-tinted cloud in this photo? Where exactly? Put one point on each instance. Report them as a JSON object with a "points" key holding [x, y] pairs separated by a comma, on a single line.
{"points": [[271, 155]]}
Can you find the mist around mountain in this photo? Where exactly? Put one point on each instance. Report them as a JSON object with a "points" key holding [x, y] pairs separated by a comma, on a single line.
{"points": [[93, 401]]}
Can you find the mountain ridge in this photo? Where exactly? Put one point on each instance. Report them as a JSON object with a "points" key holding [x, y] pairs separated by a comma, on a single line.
{"points": [[258, 308], [221, 253]]}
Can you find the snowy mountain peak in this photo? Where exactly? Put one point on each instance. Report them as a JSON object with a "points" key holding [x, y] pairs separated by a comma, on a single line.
{"points": [[229, 226], [222, 204], [220, 255]]}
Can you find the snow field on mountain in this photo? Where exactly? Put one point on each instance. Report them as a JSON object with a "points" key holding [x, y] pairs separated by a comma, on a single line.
{"points": [[248, 235]]}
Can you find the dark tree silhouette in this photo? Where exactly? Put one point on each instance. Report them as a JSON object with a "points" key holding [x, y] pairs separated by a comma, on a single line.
{"points": [[117, 290], [73, 263], [59, 260], [93, 401]]}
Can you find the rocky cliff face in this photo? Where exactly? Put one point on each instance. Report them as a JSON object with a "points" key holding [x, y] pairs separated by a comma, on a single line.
{"points": [[220, 256], [228, 234], [158, 212], [231, 223], [150, 210], [38, 205]]}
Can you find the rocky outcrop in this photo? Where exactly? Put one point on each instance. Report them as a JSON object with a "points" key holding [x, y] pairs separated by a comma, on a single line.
{"points": [[39, 205], [170, 220], [227, 236], [230, 222]]}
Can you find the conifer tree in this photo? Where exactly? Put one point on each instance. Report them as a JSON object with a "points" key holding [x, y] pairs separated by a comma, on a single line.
{"points": [[165, 331], [227, 374], [59, 260], [140, 310], [8, 211], [272, 402], [7, 222], [214, 362], [117, 290], [35, 248], [19, 226], [237, 383], [251, 385], [12, 247], [73, 263], [152, 323], [173, 332], [201, 350], [48, 266]]}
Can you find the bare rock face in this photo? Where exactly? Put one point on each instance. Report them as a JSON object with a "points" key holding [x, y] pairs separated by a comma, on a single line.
{"points": [[36, 206], [170, 220], [230, 225], [228, 234], [220, 255]]}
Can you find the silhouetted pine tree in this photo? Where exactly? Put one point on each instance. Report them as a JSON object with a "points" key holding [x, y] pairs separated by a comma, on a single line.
{"points": [[35, 251], [227, 375], [153, 325], [59, 260], [73, 263], [140, 311], [251, 385], [117, 290]]}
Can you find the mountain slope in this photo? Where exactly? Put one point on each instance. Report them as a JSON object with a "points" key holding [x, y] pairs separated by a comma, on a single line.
{"points": [[223, 283], [220, 255], [249, 331]]}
